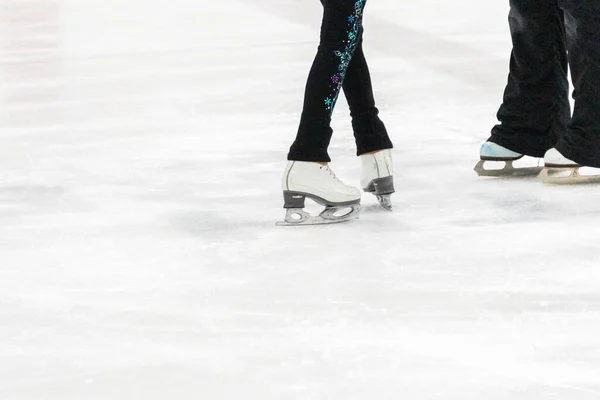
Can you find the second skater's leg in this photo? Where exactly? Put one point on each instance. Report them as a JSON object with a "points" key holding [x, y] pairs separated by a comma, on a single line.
{"points": [[535, 109], [582, 141], [576, 158]]}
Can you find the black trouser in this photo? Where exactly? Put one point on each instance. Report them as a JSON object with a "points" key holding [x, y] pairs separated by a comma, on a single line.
{"points": [[535, 114], [340, 63]]}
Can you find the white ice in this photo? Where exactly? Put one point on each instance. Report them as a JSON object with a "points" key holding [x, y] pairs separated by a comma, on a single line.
{"points": [[141, 148]]}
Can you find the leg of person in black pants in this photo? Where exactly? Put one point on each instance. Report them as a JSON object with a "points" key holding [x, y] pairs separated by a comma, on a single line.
{"points": [[582, 140], [339, 64], [373, 145], [535, 116], [535, 110], [369, 131]]}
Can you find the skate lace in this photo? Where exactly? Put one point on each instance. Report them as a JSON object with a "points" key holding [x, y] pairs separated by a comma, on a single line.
{"points": [[331, 173]]}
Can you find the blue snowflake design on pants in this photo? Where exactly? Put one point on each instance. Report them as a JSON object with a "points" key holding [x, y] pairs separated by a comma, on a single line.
{"points": [[345, 56]]}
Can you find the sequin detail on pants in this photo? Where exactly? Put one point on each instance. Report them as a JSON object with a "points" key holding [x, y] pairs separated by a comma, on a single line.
{"points": [[345, 56]]}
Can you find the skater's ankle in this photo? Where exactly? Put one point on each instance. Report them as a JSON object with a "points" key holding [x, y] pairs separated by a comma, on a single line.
{"points": [[373, 152]]}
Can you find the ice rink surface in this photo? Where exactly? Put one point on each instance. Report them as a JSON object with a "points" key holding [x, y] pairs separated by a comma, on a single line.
{"points": [[141, 149]]}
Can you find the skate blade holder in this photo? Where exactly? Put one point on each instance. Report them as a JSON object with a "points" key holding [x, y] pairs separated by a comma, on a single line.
{"points": [[524, 166], [382, 188], [570, 175], [330, 215], [298, 213]]}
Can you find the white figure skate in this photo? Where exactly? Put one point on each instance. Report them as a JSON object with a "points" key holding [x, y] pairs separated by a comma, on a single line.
{"points": [[560, 170], [503, 160], [317, 182], [378, 176]]}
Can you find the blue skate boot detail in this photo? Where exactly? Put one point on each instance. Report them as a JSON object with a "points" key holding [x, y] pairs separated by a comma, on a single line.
{"points": [[494, 152], [499, 162]]}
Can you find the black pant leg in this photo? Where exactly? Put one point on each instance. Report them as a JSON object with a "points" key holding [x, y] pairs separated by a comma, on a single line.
{"points": [[536, 109], [369, 131], [342, 20], [582, 141]]}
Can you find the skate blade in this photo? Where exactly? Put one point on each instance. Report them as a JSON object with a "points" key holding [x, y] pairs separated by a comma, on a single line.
{"points": [[385, 200], [331, 215], [507, 170], [570, 175]]}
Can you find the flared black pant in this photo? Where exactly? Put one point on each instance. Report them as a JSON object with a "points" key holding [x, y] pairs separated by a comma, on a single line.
{"points": [[549, 36]]}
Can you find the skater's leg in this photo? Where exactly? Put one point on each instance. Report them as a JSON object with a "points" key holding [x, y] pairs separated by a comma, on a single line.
{"points": [[369, 131], [535, 110], [372, 141], [582, 141], [340, 28]]}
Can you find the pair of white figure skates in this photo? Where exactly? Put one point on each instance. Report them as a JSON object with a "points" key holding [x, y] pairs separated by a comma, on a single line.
{"points": [[319, 183], [557, 168]]}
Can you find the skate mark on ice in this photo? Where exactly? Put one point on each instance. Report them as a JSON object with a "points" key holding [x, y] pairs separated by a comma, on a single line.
{"points": [[214, 227], [33, 193], [24, 200]]}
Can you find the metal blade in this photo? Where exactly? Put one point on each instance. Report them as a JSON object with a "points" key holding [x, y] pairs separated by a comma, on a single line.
{"points": [[331, 215], [506, 171]]}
